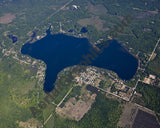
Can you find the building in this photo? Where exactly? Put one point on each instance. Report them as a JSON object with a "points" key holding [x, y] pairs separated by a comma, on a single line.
{"points": [[152, 76]]}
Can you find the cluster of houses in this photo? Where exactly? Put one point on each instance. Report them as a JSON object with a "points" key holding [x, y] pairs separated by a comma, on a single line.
{"points": [[93, 77], [149, 80]]}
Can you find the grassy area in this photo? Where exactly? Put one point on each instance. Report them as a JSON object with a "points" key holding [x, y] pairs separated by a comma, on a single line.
{"points": [[17, 93], [154, 65]]}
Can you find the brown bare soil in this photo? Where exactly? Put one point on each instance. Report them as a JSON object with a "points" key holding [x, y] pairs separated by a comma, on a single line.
{"points": [[128, 116], [143, 15], [97, 9], [75, 110], [32, 123], [95, 21], [7, 18]]}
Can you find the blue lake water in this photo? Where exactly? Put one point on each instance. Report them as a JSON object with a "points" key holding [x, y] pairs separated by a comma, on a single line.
{"points": [[60, 51], [14, 38], [84, 30]]}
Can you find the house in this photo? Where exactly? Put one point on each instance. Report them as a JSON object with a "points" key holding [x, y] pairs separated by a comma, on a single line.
{"points": [[152, 76]]}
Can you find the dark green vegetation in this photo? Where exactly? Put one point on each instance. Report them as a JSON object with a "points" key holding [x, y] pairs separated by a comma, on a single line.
{"points": [[104, 113], [113, 89], [150, 96], [105, 84], [158, 116]]}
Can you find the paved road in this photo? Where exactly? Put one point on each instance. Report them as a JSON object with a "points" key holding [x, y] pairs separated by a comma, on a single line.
{"points": [[143, 71], [153, 50], [64, 97], [146, 66], [110, 93], [48, 119], [57, 105]]}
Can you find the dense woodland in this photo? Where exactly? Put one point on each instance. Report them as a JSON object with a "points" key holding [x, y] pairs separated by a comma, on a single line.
{"points": [[150, 96]]}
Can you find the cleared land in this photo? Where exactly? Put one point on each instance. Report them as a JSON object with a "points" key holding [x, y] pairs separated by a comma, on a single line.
{"points": [[7, 18], [97, 9], [128, 116], [76, 109], [95, 21]]}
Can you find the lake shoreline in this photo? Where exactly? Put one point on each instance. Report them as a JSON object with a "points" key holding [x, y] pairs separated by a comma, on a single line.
{"points": [[70, 50]]}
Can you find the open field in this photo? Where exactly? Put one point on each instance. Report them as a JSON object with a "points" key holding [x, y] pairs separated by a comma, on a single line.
{"points": [[7, 18]]}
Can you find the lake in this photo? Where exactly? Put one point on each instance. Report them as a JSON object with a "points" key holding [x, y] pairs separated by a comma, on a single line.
{"points": [[59, 51], [14, 38]]}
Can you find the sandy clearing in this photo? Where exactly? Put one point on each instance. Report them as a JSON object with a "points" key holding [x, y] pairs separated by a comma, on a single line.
{"points": [[7, 18]]}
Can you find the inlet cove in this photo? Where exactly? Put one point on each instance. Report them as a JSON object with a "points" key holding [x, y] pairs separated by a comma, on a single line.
{"points": [[59, 51]]}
